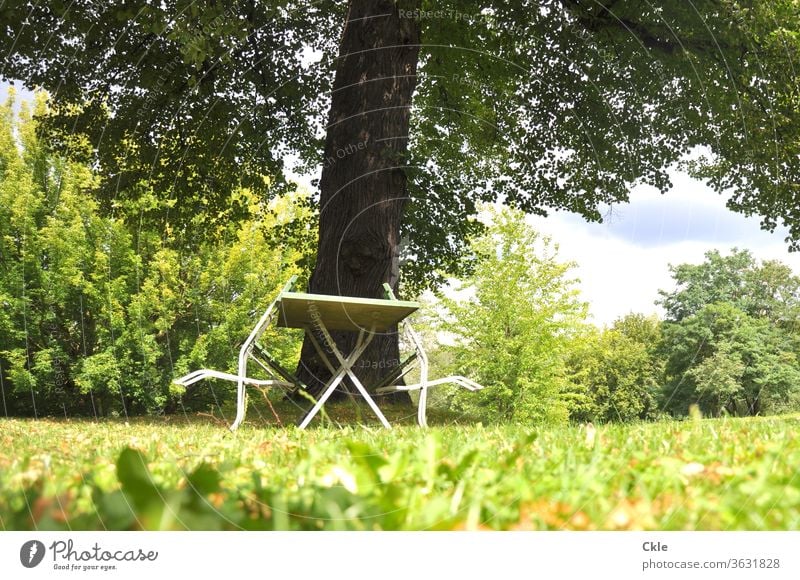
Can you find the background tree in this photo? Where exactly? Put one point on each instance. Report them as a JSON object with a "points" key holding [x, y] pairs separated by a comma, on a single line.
{"points": [[723, 359], [555, 104], [512, 327], [718, 379], [615, 373], [730, 339], [762, 290]]}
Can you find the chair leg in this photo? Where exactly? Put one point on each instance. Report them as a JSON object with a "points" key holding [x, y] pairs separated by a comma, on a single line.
{"points": [[422, 418], [244, 352]]}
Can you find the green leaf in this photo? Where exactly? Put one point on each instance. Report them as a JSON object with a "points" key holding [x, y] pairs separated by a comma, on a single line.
{"points": [[205, 479], [136, 480]]}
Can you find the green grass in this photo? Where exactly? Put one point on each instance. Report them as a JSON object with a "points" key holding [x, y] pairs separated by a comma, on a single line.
{"points": [[191, 473]]}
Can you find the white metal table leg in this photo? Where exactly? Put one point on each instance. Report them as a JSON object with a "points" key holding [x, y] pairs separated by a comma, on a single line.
{"points": [[369, 399], [324, 357], [346, 368], [349, 365]]}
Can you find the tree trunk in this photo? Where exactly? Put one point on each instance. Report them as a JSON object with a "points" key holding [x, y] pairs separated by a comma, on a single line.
{"points": [[363, 185]]}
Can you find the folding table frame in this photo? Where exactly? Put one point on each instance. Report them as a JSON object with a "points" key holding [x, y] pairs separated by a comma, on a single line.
{"points": [[318, 314]]}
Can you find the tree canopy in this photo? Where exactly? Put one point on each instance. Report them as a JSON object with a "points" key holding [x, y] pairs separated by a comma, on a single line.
{"points": [[553, 104], [769, 289]]}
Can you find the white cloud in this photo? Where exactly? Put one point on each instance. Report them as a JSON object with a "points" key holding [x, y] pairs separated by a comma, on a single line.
{"points": [[623, 263]]}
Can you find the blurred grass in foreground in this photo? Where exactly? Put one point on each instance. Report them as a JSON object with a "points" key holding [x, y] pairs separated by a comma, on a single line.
{"points": [[186, 472]]}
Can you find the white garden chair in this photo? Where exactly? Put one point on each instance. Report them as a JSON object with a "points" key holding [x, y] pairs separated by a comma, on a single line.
{"points": [[251, 351], [421, 358]]}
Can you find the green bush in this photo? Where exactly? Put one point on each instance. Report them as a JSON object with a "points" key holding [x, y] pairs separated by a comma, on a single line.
{"points": [[100, 311], [615, 372], [512, 325]]}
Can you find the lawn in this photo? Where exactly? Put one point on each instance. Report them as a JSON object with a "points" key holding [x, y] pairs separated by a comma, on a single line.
{"points": [[191, 473]]}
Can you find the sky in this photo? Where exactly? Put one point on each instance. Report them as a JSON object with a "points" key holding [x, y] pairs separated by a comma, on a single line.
{"points": [[623, 262], [22, 92]]}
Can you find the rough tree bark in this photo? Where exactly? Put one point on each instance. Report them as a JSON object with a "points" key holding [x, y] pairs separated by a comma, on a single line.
{"points": [[363, 185]]}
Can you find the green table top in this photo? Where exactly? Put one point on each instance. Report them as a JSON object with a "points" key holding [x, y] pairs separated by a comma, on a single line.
{"points": [[299, 310]]}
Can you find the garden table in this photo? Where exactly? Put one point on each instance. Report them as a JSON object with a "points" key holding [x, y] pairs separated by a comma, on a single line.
{"points": [[321, 313]]}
